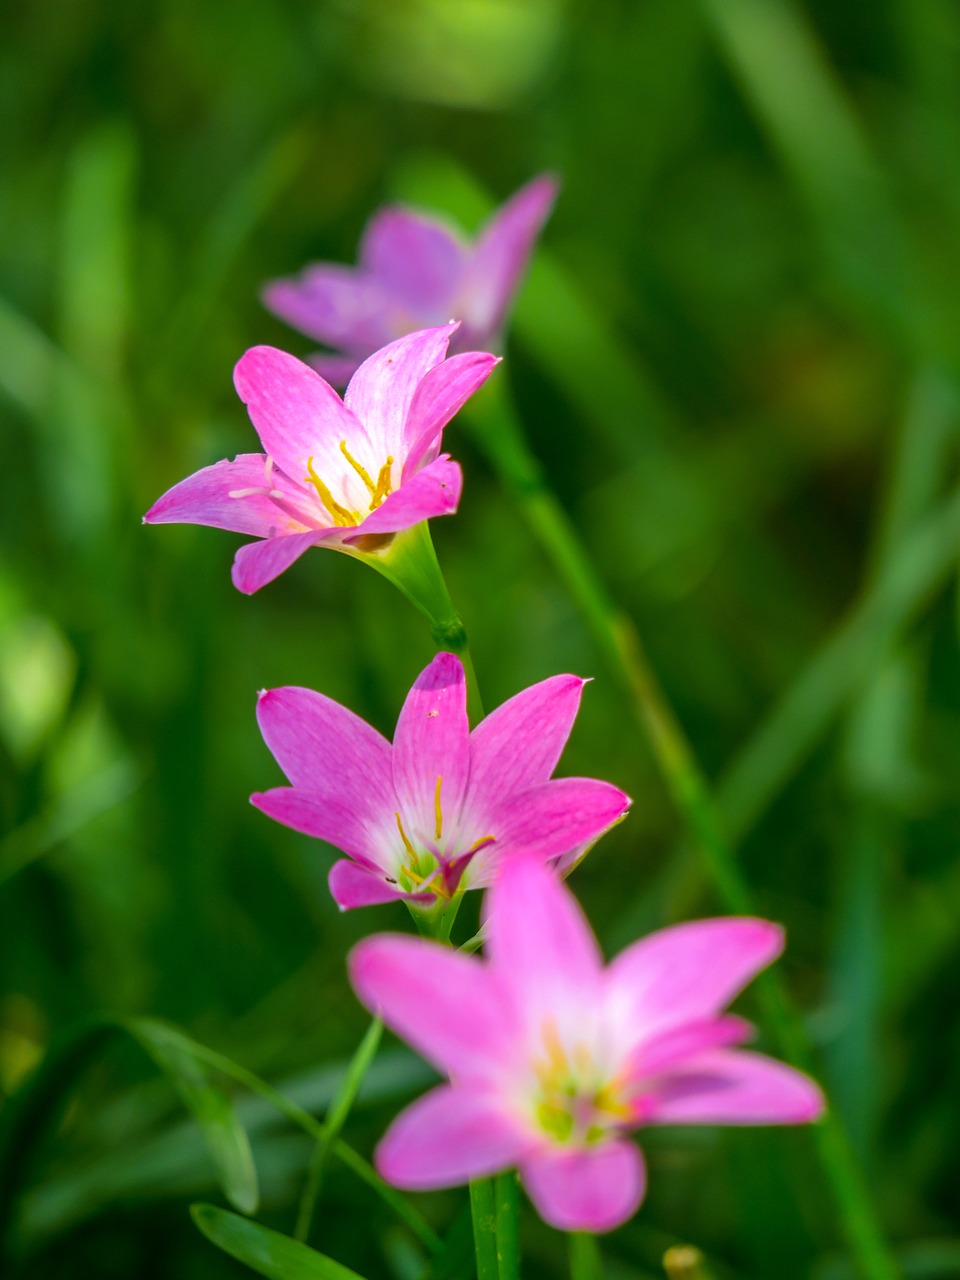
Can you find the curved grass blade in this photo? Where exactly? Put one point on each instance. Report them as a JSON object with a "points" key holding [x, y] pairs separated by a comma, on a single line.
{"points": [[267, 1252]]}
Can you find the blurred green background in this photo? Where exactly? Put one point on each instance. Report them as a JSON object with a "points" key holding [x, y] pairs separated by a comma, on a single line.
{"points": [[738, 358]]}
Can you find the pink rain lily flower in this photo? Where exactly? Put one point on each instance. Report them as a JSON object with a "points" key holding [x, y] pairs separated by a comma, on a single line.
{"points": [[336, 473], [553, 1058], [415, 270], [442, 807]]}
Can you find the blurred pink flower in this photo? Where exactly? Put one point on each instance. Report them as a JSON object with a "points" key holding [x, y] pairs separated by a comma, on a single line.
{"points": [[552, 1058], [441, 806], [334, 472], [415, 270]]}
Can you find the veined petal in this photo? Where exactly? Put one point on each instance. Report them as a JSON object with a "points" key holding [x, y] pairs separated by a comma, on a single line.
{"points": [[440, 394], [323, 816], [434, 491], [595, 1189], [448, 1137], [234, 495], [491, 277], [353, 885], [328, 751], [382, 389], [414, 258], [519, 744], [336, 305], [688, 972], [442, 1002], [539, 942], [549, 820], [431, 748], [734, 1087], [257, 563], [300, 418]]}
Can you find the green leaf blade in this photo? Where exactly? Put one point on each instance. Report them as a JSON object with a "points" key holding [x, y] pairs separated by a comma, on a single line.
{"points": [[267, 1252]]}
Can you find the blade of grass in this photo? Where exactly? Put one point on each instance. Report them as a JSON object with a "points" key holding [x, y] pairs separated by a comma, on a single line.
{"points": [[267, 1252]]}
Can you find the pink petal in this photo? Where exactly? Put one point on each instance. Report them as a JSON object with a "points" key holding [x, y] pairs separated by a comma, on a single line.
{"points": [[688, 972], [677, 1044], [220, 496], [432, 742], [335, 369], [539, 941], [493, 274], [323, 817], [595, 1189], [442, 1002], [448, 1137], [440, 394], [414, 258], [382, 389], [434, 491], [257, 563], [549, 820], [731, 1086], [332, 304], [519, 744], [298, 416], [328, 751], [353, 885]]}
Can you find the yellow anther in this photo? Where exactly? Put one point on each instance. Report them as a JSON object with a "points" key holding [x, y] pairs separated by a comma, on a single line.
{"points": [[437, 811], [340, 515], [403, 836], [358, 467], [382, 488]]}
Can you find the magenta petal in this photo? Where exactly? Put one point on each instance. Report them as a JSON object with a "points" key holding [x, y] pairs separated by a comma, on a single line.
{"points": [[586, 1190], [352, 885], [550, 820], [689, 971], [432, 741], [443, 1003], [674, 1046], [300, 418], [539, 941], [434, 491], [733, 1087], [323, 817], [519, 744], [257, 563], [328, 751], [440, 394], [493, 274], [414, 258], [233, 495], [448, 1137], [381, 391], [332, 304]]}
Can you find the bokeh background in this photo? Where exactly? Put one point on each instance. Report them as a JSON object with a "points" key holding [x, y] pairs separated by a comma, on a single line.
{"points": [[737, 359]]}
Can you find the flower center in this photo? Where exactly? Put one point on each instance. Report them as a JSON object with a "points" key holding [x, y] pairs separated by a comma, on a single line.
{"points": [[573, 1103], [377, 490], [434, 867]]}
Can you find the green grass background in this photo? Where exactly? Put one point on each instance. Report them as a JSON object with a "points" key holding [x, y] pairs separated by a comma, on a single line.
{"points": [[738, 360]]}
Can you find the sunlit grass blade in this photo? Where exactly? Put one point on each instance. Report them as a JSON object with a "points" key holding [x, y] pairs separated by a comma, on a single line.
{"points": [[226, 1138], [267, 1252]]}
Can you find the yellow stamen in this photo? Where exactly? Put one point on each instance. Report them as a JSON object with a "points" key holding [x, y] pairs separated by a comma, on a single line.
{"points": [[358, 467], [403, 836], [341, 516], [382, 488], [437, 811]]}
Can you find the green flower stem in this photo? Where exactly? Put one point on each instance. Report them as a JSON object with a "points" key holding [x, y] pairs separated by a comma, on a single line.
{"points": [[336, 1117], [484, 1213], [585, 1262], [497, 431], [506, 1191], [410, 562]]}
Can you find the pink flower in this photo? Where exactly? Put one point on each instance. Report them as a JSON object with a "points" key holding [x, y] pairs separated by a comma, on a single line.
{"points": [[334, 473], [415, 270], [441, 807], [553, 1058]]}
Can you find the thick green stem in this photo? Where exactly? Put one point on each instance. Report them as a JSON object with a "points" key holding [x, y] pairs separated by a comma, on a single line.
{"points": [[585, 1261], [507, 1196], [483, 1210], [499, 434]]}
